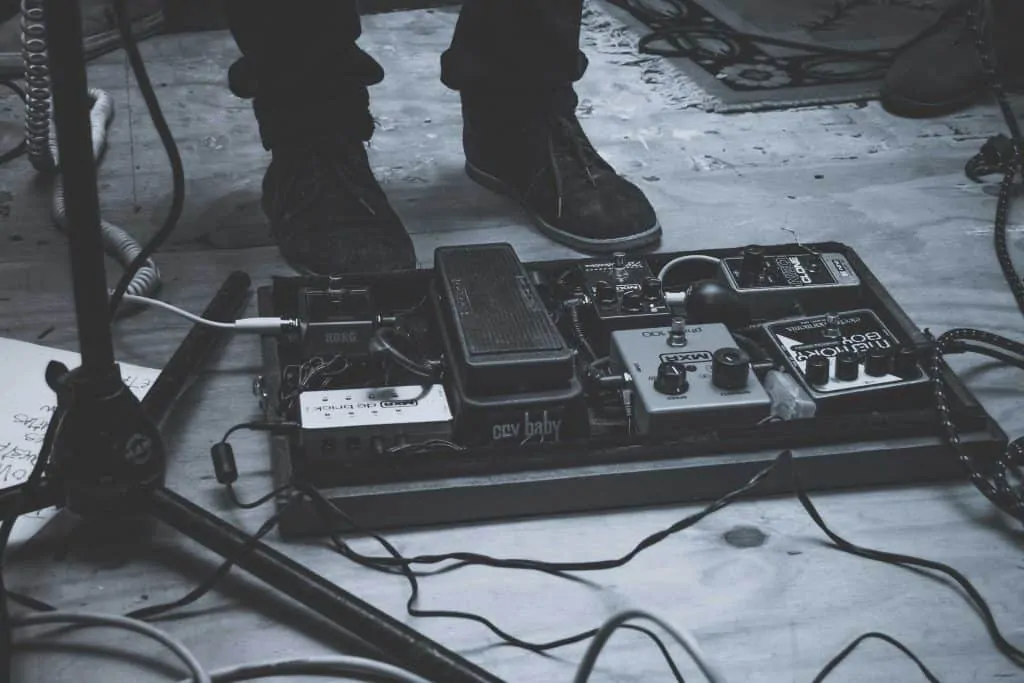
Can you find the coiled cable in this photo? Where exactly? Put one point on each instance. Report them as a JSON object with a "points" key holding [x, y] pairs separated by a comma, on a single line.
{"points": [[42, 147]]}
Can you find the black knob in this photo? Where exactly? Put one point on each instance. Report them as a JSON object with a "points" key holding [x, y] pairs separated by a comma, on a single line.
{"points": [[905, 365], [730, 368], [605, 292], [753, 265], [632, 301], [651, 288], [847, 366], [817, 371], [877, 363], [671, 379]]}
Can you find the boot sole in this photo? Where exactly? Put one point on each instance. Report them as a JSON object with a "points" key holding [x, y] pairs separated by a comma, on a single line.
{"points": [[912, 109], [649, 237]]}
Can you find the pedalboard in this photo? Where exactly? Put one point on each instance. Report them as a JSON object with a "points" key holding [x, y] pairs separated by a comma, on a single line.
{"points": [[846, 357], [769, 281], [346, 425], [685, 376], [484, 387]]}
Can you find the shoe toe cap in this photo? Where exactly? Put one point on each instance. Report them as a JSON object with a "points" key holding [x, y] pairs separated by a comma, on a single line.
{"points": [[617, 211]]}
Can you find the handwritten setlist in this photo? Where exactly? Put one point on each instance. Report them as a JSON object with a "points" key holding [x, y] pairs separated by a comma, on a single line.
{"points": [[26, 406]]}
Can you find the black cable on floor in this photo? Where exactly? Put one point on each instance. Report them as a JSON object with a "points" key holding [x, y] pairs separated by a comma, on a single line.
{"points": [[466, 558], [838, 659], [1004, 646], [325, 509], [173, 155], [213, 579]]}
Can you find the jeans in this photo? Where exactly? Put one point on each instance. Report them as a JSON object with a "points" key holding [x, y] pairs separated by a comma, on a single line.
{"points": [[305, 51]]}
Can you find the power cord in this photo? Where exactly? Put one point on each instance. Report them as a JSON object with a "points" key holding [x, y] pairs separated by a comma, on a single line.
{"points": [[166, 138]]}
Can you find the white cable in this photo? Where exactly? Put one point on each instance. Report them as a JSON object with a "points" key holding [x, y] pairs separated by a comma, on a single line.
{"points": [[242, 325], [339, 665], [199, 674], [118, 243], [690, 258], [681, 636]]}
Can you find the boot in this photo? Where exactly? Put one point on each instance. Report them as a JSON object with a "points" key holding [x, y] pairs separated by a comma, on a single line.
{"points": [[940, 72], [532, 148], [327, 212]]}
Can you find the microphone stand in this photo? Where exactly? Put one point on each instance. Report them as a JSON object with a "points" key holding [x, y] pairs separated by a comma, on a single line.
{"points": [[107, 458]]}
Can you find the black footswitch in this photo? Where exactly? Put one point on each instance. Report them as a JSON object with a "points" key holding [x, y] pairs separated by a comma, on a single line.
{"points": [[676, 387]]}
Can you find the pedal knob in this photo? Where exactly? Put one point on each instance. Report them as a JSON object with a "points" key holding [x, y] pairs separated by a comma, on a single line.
{"points": [[730, 368], [904, 365], [752, 266], [632, 301], [877, 363], [671, 379], [605, 292], [651, 288], [847, 366], [816, 371]]}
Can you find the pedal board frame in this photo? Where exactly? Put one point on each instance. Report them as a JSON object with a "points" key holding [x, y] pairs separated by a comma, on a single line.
{"points": [[834, 452]]}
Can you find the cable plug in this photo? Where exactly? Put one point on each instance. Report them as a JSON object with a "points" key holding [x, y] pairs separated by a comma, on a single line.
{"points": [[267, 325], [675, 298]]}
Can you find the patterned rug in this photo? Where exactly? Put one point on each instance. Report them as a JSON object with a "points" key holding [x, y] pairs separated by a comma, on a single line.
{"points": [[748, 55]]}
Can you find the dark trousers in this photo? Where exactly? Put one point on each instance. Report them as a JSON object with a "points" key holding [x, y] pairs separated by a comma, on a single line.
{"points": [[302, 56]]}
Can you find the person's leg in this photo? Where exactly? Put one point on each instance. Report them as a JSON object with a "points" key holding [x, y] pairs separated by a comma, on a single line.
{"points": [[514, 63], [308, 81]]}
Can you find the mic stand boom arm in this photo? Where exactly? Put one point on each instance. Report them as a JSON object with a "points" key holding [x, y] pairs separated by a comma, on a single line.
{"points": [[107, 459]]}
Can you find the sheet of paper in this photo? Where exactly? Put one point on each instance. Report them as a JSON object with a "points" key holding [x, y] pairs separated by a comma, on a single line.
{"points": [[26, 405]]}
